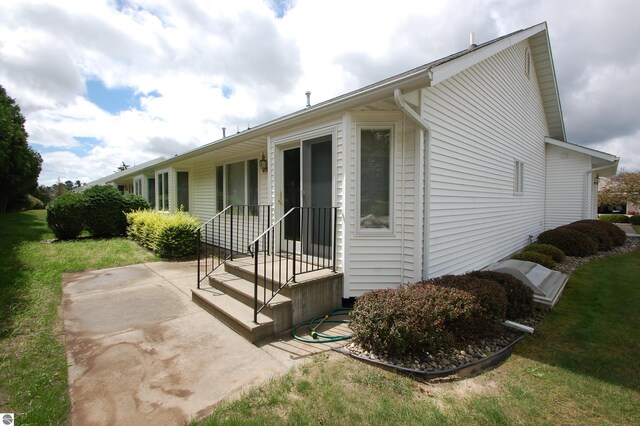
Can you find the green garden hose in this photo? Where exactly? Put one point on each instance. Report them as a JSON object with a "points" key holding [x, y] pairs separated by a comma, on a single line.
{"points": [[318, 337]]}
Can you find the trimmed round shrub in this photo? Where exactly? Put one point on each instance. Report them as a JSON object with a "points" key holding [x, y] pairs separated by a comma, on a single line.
{"points": [[65, 215], [618, 236], [168, 235], [553, 252], [412, 319], [600, 235], [570, 241], [519, 295], [105, 217], [489, 294], [535, 257], [133, 203], [614, 218], [635, 220]]}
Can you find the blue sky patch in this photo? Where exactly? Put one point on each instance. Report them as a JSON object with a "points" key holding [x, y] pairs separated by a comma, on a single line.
{"points": [[227, 91], [113, 100], [281, 7]]}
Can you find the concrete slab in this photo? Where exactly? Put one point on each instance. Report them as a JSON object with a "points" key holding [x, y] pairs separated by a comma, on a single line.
{"points": [[141, 353]]}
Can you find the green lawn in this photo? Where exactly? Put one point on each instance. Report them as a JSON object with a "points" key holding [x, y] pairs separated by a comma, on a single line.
{"points": [[582, 366], [33, 368]]}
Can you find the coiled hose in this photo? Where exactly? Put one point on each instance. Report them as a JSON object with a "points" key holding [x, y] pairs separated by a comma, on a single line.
{"points": [[317, 337]]}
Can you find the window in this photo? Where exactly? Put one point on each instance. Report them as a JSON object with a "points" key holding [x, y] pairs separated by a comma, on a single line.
{"points": [[151, 187], [237, 184], [163, 191], [375, 178], [518, 178], [182, 179], [137, 186]]}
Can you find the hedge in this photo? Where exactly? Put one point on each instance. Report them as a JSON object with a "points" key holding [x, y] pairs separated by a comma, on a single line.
{"points": [[553, 252], [539, 258], [168, 235], [519, 295], [65, 215], [411, 320], [618, 236], [613, 218], [635, 220], [104, 213], [597, 233], [570, 241]]}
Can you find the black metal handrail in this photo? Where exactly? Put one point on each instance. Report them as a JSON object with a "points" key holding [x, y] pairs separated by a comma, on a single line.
{"points": [[304, 239], [227, 234]]}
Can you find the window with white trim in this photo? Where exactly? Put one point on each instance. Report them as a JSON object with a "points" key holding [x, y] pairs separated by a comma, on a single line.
{"points": [[237, 184], [182, 190], [163, 190], [137, 186], [518, 178], [374, 203]]}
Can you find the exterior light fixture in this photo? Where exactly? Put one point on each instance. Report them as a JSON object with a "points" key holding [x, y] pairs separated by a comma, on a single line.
{"points": [[263, 164]]}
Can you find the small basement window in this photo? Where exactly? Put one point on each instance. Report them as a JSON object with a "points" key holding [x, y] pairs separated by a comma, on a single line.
{"points": [[518, 178]]}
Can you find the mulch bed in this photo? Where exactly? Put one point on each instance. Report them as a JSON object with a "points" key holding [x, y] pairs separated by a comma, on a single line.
{"points": [[475, 352]]}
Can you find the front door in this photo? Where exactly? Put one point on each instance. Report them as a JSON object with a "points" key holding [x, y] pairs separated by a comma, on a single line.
{"points": [[308, 186]]}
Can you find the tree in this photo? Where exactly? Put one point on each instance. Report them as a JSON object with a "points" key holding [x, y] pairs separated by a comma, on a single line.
{"points": [[623, 188], [78, 184], [20, 165], [68, 184]]}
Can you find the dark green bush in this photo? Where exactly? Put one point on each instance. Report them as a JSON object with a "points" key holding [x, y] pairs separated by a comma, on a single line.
{"points": [[613, 218], [618, 236], [535, 257], [65, 215], [519, 295], [489, 294], [105, 217], [34, 203], [635, 220], [571, 242], [168, 235], [132, 203], [595, 232], [553, 252], [413, 319]]}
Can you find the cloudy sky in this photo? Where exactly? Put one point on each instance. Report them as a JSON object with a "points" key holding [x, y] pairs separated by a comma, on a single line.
{"points": [[106, 81]]}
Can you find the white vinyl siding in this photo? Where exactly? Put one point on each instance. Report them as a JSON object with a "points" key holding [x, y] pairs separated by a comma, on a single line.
{"points": [[382, 260], [480, 120], [565, 186]]}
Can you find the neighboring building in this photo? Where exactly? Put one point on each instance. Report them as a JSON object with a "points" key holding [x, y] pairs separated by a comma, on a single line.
{"points": [[439, 170]]}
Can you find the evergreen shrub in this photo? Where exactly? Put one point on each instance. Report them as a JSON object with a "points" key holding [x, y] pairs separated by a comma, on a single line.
{"points": [[65, 215], [519, 295], [168, 235], [535, 257], [570, 241], [553, 252]]}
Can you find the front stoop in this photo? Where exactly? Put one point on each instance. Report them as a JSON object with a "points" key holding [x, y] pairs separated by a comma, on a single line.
{"points": [[230, 298]]}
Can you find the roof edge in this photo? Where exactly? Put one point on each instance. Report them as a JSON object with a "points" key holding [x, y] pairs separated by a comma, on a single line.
{"points": [[582, 150]]}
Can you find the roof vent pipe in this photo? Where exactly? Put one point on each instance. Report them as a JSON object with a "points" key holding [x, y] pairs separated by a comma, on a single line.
{"points": [[472, 41], [308, 98], [224, 132]]}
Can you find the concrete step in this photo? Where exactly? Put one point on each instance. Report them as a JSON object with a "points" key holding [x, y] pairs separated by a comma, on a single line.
{"points": [[234, 314], [278, 309], [242, 270]]}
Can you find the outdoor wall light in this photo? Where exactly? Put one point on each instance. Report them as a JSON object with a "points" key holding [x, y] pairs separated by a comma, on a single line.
{"points": [[263, 164]]}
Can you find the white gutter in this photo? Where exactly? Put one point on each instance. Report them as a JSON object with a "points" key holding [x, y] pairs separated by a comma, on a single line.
{"points": [[424, 134]]}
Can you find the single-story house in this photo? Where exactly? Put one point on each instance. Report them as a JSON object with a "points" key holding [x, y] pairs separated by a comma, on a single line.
{"points": [[442, 169], [123, 180]]}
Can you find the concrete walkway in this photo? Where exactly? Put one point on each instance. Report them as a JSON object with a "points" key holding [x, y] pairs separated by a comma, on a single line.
{"points": [[628, 229], [140, 352]]}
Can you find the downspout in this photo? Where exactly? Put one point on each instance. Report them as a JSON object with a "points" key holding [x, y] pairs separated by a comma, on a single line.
{"points": [[585, 211], [424, 134]]}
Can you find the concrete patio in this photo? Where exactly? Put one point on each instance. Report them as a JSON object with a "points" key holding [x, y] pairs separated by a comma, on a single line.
{"points": [[140, 352]]}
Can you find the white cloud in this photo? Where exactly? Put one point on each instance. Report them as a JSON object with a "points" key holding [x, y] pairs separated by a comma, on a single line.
{"points": [[185, 53]]}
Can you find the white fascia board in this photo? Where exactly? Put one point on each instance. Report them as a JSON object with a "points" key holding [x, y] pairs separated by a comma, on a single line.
{"points": [[441, 72], [583, 150]]}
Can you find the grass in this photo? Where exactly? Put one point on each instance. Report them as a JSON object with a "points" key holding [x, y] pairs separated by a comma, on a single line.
{"points": [[636, 228], [580, 367], [33, 367]]}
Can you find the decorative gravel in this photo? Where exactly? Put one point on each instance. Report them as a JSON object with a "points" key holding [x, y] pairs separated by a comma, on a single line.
{"points": [[475, 351]]}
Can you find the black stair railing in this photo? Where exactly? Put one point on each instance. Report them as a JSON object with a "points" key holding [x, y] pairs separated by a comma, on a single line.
{"points": [[301, 241], [228, 234]]}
